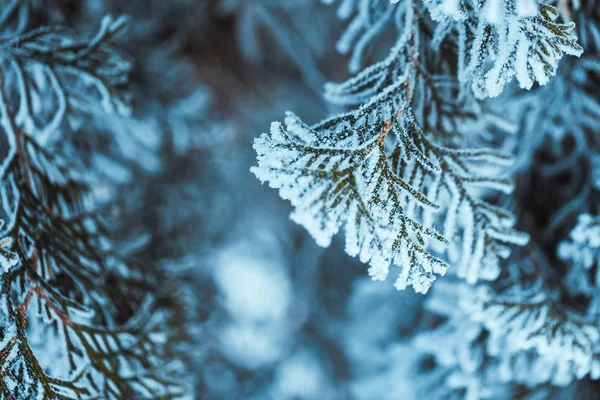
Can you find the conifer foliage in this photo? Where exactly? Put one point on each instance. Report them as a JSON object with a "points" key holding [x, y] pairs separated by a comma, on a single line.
{"points": [[458, 154], [381, 169], [80, 319]]}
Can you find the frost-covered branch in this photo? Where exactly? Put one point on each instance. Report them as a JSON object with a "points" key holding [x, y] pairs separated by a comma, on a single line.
{"points": [[387, 163], [59, 266]]}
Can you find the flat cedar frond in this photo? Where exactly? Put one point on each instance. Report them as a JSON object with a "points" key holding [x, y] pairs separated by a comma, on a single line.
{"points": [[340, 172], [499, 40], [59, 266], [331, 188], [499, 335], [73, 77], [560, 337]]}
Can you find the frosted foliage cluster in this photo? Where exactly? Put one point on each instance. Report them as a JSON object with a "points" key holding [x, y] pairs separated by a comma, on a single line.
{"points": [[342, 203], [491, 341], [499, 40], [355, 187], [566, 344], [376, 172], [67, 331], [75, 81]]}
